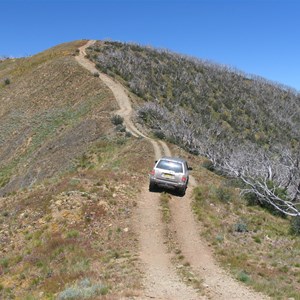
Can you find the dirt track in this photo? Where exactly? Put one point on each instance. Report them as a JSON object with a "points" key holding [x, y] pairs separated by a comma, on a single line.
{"points": [[161, 280]]}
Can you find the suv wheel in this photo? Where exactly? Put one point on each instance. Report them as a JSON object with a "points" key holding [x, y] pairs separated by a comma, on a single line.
{"points": [[152, 186], [181, 191]]}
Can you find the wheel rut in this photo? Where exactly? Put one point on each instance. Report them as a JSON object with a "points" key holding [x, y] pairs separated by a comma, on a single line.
{"points": [[161, 280]]}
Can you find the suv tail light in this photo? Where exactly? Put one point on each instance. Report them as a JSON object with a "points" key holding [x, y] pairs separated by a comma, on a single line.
{"points": [[152, 172], [183, 179]]}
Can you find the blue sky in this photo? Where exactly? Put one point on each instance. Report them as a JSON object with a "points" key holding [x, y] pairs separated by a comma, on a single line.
{"points": [[260, 37]]}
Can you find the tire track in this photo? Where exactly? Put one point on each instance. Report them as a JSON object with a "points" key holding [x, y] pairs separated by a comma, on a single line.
{"points": [[161, 280], [166, 149], [218, 284]]}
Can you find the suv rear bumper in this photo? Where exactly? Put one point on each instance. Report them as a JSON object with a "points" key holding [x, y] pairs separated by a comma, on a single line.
{"points": [[167, 184]]}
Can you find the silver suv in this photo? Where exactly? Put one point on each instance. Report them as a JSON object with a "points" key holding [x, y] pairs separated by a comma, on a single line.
{"points": [[170, 172]]}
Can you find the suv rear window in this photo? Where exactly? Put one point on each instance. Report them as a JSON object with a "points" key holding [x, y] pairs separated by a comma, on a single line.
{"points": [[170, 166]]}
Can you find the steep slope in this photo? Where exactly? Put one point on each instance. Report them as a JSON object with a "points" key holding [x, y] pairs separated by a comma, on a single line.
{"points": [[50, 112], [67, 183], [245, 106], [248, 127]]}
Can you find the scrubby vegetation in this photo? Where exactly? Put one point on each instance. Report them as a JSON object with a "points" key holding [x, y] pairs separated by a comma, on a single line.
{"points": [[247, 126], [68, 170], [253, 244], [47, 115], [67, 187], [72, 237]]}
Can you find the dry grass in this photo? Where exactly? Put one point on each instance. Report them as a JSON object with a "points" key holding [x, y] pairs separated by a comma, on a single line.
{"points": [[164, 203], [69, 227], [183, 267], [74, 223], [253, 244], [49, 115], [77, 227], [21, 66]]}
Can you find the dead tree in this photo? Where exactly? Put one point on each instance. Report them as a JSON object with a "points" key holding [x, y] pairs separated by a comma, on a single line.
{"points": [[274, 181]]}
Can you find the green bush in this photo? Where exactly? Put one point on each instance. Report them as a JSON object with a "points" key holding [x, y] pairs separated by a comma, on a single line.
{"points": [[223, 194], [241, 226], [243, 276], [252, 200], [72, 234], [117, 120], [6, 81], [4, 262], [159, 134], [295, 225], [257, 239], [207, 164], [120, 128], [85, 289]]}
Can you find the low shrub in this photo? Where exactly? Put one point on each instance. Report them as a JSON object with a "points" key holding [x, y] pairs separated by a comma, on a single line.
{"points": [[223, 194], [159, 134], [72, 234], [243, 277], [253, 200], [117, 120], [295, 225], [4, 262], [220, 238], [257, 239], [120, 128], [85, 289], [128, 134], [207, 164], [241, 226]]}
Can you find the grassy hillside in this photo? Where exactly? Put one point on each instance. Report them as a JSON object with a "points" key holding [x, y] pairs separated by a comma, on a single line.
{"points": [[50, 112], [256, 246], [68, 179], [66, 196], [245, 125], [245, 107], [242, 123], [73, 235]]}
